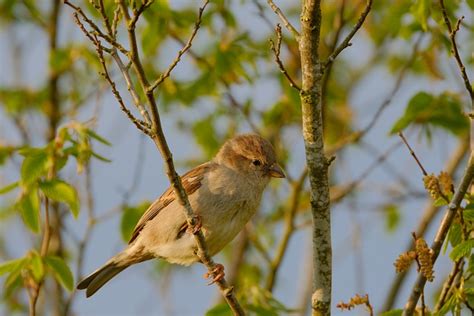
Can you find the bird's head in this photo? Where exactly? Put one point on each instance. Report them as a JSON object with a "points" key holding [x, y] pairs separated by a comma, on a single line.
{"points": [[252, 155]]}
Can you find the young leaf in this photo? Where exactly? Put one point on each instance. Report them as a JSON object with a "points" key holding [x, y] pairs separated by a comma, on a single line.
{"points": [[130, 217], [461, 250], [61, 191], [9, 187], [36, 266], [393, 312], [11, 265], [392, 217], [61, 271], [468, 214], [421, 11], [219, 310], [15, 273], [443, 111], [29, 206], [33, 167], [455, 234], [97, 137]]}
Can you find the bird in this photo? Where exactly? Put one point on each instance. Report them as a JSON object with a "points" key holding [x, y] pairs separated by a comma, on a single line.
{"points": [[224, 194]]}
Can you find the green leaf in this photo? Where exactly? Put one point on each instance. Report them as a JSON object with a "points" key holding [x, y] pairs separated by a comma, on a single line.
{"points": [[440, 202], [101, 158], [468, 214], [33, 167], [219, 310], [455, 234], [11, 265], [470, 3], [393, 312], [97, 137], [462, 250], [392, 217], [444, 111], [130, 217], [421, 11], [15, 273], [36, 266], [61, 191], [61, 59], [9, 187], [61, 271], [29, 206], [205, 135]]}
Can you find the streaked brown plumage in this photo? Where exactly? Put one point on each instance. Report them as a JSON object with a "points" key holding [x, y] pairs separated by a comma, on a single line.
{"points": [[225, 192]]}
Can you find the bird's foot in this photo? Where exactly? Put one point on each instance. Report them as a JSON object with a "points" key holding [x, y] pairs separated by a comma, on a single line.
{"points": [[197, 226], [216, 274]]}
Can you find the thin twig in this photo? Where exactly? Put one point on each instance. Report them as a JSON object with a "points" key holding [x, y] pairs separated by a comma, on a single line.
{"points": [[359, 134], [284, 19], [441, 234], [232, 99], [328, 71], [398, 83], [413, 153], [455, 50], [96, 29], [457, 268], [347, 41], [297, 190], [143, 126], [137, 13], [351, 186], [188, 45], [276, 51], [136, 99]]}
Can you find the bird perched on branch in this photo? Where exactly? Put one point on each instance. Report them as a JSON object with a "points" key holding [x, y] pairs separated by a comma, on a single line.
{"points": [[224, 193]]}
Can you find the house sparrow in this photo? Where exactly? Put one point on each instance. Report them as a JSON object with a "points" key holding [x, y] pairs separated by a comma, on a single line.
{"points": [[224, 193]]}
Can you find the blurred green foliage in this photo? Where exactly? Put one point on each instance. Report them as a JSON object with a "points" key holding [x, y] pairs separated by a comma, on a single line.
{"points": [[219, 83]]}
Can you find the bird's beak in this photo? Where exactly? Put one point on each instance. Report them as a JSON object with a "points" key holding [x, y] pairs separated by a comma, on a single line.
{"points": [[275, 171]]}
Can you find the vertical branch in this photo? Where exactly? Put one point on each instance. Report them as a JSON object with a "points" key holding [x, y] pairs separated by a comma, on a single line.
{"points": [[318, 164], [53, 114]]}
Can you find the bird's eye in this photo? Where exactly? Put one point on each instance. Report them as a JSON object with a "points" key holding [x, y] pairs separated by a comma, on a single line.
{"points": [[256, 162]]}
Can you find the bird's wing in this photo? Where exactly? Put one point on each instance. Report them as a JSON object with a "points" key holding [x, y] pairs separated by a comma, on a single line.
{"points": [[191, 182]]}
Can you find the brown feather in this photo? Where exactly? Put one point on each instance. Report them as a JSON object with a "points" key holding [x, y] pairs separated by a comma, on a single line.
{"points": [[191, 182]]}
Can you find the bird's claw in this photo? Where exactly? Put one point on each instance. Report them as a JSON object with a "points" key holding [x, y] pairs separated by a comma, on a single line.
{"points": [[197, 226], [216, 274]]}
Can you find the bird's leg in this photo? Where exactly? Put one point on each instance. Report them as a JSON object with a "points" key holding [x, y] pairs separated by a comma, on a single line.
{"points": [[216, 274], [197, 226]]}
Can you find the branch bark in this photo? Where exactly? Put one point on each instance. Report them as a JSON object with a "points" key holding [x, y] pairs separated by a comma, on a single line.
{"points": [[441, 234], [318, 164], [313, 69]]}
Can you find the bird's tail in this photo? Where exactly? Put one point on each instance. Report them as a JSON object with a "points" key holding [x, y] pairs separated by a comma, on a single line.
{"points": [[114, 266]]}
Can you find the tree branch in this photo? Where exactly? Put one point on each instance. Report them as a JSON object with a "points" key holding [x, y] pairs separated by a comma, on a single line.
{"points": [[284, 19], [426, 219], [441, 234], [297, 190], [186, 47], [455, 50], [318, 164], [157, 134], [276, 51], [347, 41]]}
